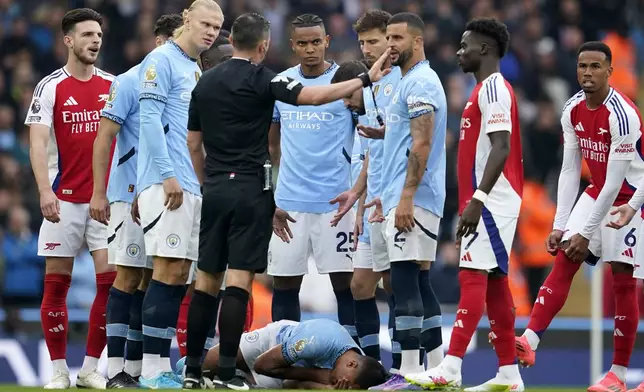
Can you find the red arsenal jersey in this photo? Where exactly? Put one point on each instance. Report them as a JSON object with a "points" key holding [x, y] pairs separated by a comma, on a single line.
{"points": [[491, 108], [71, 108], [611, 131]]}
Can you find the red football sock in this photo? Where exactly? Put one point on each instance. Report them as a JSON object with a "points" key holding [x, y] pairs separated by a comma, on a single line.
{"points": [[553, 293], [500, 311], [96, 337], [249, 314], [626, 317], [182, 324], [470, 310], [53, 314]]}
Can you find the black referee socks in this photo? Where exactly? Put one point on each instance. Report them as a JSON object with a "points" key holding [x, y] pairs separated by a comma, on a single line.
{"points": [[231, 326], [198, 326]]}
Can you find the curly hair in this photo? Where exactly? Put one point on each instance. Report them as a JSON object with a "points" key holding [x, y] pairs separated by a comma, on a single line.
{"points": [[494, 29]]}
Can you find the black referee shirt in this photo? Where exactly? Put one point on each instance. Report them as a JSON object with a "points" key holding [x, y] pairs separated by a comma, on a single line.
{"points": [[232, 105]]}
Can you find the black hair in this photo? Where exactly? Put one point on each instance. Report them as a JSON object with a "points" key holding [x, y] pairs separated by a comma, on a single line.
{"points": [[224, 33], [494, 29], [412, 20], [372, 19], [370, 372], [79, 15], [249, 30], [307, 20], [167, 24], [207, 57], [596, 46], [349, 70]]}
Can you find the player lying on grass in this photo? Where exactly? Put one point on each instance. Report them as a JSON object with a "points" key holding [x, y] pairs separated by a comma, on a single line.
{"points": [[313, 354]]}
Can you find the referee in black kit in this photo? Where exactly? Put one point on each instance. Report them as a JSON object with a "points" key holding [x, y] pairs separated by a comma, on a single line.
{"points": [[230, 113]]}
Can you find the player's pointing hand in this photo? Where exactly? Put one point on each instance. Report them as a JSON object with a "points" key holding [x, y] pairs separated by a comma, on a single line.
{"points": [[626, 214], [470, 218]]}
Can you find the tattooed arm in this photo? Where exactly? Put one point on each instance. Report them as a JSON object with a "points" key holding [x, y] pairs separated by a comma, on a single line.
{"points": [[421, 128]]}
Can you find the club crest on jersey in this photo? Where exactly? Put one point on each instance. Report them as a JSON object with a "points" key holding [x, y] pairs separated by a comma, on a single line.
{"points": [[388, 89], [173, 241], [133, 250], [395, 98], [252, 337], [35, 107], [300, 344]]}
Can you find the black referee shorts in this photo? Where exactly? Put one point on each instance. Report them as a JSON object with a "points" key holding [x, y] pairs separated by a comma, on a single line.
{"points": [[236, 224]]}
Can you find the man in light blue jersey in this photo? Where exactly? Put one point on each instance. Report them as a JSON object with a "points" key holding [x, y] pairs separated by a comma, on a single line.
{"points": [[126, 248], [315, 165], [169, 192], [313, 354], [413, 190]]}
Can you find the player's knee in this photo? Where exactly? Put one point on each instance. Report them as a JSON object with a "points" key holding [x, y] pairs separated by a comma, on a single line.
{"points": [[341, 280], [100, 262], [127, 278], [59, 265], [239, 278], [362, 288], [287, 282], [173, 272], [207, 283]]}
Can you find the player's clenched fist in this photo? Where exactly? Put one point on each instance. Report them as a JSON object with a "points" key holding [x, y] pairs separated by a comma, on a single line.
{"points": [[50, 206], [99, 208]]}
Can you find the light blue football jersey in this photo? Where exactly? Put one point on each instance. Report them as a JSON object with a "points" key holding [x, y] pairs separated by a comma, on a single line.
{"points": [[418, 91], [122, 107], [315, 343], [360, 147], [316, 143], [358, 155], [166, 79], [383, 90]]}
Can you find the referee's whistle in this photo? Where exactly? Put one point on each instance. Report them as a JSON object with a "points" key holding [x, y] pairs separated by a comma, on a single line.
{"points": [[268, 175]]}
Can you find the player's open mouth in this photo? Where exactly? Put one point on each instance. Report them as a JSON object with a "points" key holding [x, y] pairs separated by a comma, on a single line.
{"points": [[93, 50]]}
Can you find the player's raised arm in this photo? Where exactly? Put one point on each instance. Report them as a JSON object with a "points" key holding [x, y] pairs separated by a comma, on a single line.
{"points": [[154, 84], [292, 92], [624, 124], [277, 363], [39, 119], [195, 139]]}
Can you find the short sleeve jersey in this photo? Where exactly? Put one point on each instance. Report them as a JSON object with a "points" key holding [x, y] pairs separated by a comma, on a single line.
{"points": [[71, 108]]}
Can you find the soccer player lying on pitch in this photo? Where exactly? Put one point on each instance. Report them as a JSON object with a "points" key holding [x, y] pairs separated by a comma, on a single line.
{"points": [[313, 354]]}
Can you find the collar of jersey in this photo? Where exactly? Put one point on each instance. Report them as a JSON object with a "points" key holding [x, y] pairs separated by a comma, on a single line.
{"points": [[418, 64], [171, 42], [331, 68]]}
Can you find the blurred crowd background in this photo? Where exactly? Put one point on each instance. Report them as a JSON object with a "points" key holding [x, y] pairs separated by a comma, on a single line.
{"points": [[545, 35]]}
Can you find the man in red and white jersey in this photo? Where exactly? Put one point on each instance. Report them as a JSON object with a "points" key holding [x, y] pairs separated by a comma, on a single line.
{"points": [[63, 120], [490, 184], [603, 126]]}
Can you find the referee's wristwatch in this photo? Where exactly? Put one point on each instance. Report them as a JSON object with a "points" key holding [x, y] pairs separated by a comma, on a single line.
{"points": [[366, 80]]}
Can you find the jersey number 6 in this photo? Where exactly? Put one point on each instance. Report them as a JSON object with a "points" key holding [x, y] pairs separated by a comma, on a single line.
{"points": [[630, 240]]}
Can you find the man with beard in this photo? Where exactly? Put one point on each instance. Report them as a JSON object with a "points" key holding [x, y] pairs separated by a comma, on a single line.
{"points": [[63, 120]]}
